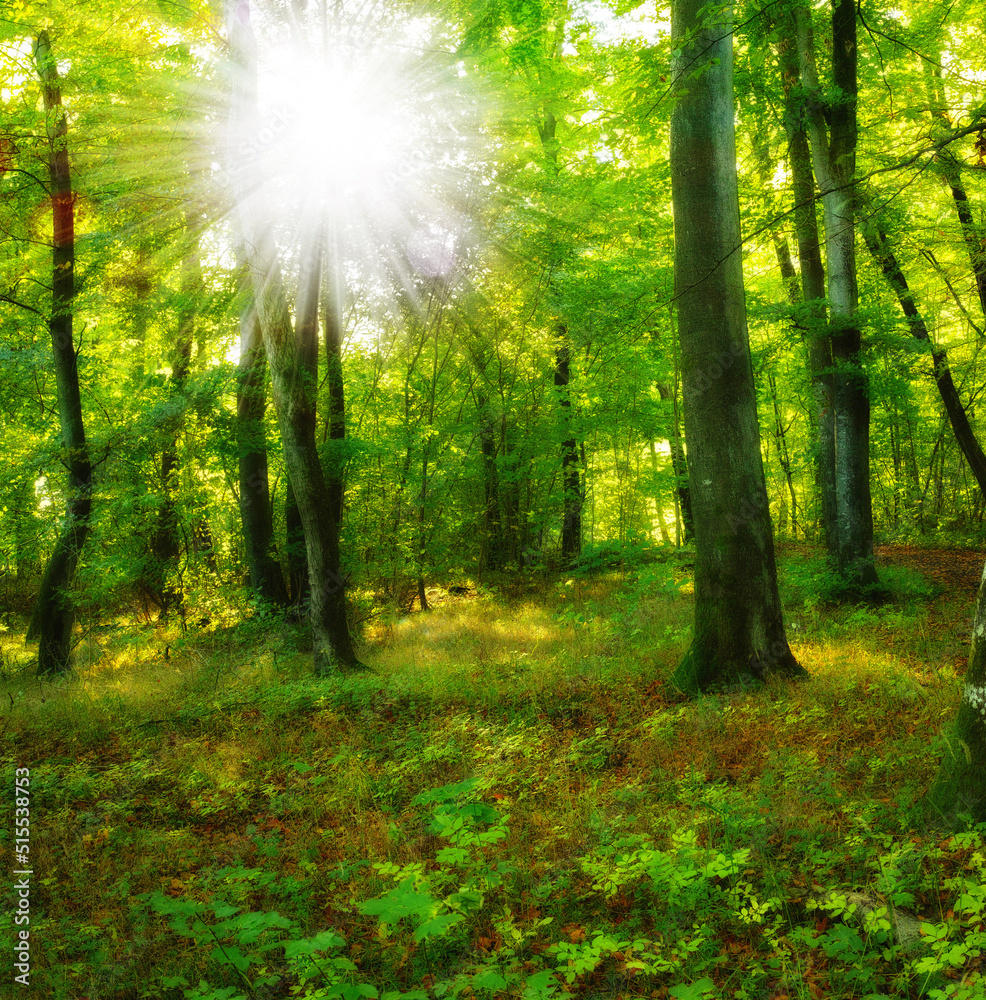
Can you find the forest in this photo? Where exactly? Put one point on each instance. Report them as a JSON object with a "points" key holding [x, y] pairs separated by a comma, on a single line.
{"points": [[492, 499]]}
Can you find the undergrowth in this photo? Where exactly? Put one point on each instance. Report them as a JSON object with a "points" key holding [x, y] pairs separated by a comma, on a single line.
{"points": [[512, 805]]}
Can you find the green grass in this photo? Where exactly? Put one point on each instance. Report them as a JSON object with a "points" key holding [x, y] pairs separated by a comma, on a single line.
{"points": [[512, 805]]}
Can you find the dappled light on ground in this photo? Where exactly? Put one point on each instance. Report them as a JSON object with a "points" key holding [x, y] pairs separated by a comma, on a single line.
{"points": [[528, 756]]}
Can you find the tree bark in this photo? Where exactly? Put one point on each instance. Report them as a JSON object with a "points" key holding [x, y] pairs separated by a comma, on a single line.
{"points": [[54, 613], [293, 388], [960, 786], [833, 147], [739, 630], [266, 578]]}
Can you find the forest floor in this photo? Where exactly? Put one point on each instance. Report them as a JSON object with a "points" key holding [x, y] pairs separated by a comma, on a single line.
{"points": [[951, 569], [512, 804]]}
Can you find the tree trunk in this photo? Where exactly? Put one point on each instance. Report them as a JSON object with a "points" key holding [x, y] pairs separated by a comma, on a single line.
{"points": [[880, 249], [54, 613], [293, 388], [679, 467], [166, 543], [547, 127], [739, 630], [295, 550], [783, 456], [656, 479], [335, 464], [960, 786], [949, 168], [812, 319], [266, 577], [834, 160], [494, 548], [571, 529]]}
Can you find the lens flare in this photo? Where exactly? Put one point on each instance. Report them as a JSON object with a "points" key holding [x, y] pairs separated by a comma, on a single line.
{"points": [[358, 133]]}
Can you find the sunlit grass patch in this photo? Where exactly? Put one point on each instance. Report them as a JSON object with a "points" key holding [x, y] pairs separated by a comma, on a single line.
{"points": [[607, 790]]}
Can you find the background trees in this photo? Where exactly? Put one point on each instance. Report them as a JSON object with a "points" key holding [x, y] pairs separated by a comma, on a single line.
{"points": [[535, 193]]}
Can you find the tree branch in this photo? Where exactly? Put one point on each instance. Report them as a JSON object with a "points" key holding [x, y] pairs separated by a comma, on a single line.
{"points": [[23, 305]]}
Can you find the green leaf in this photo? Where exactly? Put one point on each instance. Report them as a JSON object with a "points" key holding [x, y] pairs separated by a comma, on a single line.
{"points": [[489, 980], [693, 991], [233, 956], [437, 926]]}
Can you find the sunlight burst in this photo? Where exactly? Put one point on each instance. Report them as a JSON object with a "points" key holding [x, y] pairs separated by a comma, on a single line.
{"points": [[358, 136]]}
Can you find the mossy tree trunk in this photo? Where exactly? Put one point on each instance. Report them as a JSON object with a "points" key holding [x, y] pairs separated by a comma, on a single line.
{"points": [[54, 613], [739, 630]]}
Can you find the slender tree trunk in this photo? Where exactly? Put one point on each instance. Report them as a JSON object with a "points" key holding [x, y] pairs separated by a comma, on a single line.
{"points": [[335, 464], [812, 317], [950, 170], [833, 146], [266, 577], [882, 253], [515, 475], [166, 541], [571, 530], [495, 548], [306, 332], [655, 477], [739, 630], [295, 550], [293, 388], [679, 466], [54, 613], [780, 438]]}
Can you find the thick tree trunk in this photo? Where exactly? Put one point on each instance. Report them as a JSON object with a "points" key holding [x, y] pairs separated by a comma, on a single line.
{"points": [[293, 387], [960, 786], [571, 528], [882, 253], [266, 577], [833, 146], [739, 630], [812, 320], [54, 613]]}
